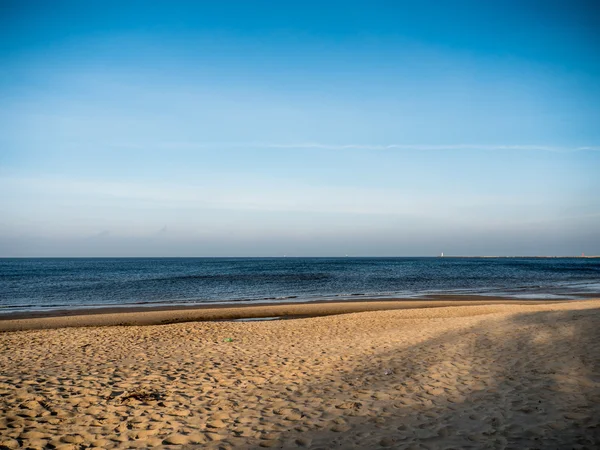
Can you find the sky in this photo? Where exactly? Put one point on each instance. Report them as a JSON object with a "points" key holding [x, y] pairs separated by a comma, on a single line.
{"points": [[330, 128]]}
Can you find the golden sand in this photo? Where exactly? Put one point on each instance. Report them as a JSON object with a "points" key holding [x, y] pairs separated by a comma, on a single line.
{"points": [[486, 376]]}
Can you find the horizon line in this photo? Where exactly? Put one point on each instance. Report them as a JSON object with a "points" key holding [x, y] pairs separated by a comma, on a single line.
{"points": [[298, 257]]}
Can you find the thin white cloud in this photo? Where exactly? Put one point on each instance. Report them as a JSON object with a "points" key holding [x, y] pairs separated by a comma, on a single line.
{"points": [[275, 196], [373, 147], [424, 147]]}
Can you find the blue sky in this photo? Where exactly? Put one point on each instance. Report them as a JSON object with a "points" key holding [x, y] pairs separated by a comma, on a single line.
{"points": [[299, 128]]}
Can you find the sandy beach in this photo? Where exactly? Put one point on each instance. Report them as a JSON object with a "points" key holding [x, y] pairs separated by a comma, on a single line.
{"points": [[455, 376]]}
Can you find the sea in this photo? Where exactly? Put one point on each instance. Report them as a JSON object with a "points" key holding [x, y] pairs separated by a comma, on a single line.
{"points": [[45, 284]]}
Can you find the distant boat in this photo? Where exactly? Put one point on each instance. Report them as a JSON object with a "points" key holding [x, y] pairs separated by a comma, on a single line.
{"points": [[442, 255]]}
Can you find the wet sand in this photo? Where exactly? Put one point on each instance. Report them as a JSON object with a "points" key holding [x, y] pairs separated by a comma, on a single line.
{"points": [[148, 315], [476, 376]]}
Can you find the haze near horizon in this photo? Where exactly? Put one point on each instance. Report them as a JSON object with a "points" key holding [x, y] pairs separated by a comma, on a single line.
{"points": [[301, 129]]}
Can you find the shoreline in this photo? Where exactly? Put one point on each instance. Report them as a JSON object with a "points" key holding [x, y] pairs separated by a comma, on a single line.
{"points": [[161, 315]]}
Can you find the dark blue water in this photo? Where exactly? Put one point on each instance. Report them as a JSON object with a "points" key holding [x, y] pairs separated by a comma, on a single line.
{"points": [[40, 284]]}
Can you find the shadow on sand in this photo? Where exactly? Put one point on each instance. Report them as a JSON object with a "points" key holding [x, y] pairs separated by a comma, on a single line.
{"points": [[531, 380]]}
